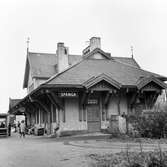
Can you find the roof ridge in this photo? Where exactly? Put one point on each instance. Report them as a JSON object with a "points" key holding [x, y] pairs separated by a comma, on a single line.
{"points": [[14, 98], [42, 53], [52, 53], [75, 55], [127, 64], [122, 57], [137, 68]]}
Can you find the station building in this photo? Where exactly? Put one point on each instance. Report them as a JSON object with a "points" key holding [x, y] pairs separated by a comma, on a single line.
{"points": [[81, 93]]}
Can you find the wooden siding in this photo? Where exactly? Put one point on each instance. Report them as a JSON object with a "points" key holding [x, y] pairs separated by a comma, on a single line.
{"points": [[72, 116]]}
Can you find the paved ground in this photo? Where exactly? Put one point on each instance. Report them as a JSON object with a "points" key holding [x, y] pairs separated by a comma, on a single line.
{"points": [[63, 152]]}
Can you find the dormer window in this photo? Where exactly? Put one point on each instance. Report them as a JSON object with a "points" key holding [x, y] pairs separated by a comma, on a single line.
{"points": [[95, 43], [97, 54]]}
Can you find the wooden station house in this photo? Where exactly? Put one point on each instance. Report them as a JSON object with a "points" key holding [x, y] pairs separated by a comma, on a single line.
{"points": [[80, 93]]}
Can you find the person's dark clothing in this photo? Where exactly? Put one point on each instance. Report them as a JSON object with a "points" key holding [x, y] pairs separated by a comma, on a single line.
{"points": [[18, 125], [2, 125], [9, 129]]}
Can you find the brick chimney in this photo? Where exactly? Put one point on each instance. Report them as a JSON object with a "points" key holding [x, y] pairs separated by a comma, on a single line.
{"points": [[62, 57], [95, 42]]}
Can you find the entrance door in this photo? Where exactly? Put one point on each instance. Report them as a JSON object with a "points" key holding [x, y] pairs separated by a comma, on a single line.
{"points": [[93, 118], [49, 123]]}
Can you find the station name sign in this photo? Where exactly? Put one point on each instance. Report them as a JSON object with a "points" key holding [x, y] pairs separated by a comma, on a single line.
{"points": [[68, 94], [92, 101]]}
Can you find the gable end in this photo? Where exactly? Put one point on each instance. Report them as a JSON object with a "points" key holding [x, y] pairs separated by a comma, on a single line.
{"points": [[102, 77], [151, 80], [97, 54]]}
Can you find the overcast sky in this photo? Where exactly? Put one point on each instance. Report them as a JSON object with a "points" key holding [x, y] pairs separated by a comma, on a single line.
{"points": [[119, 23]]}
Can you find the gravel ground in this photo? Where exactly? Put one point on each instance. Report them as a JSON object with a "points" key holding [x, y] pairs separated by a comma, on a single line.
{"points": [[34, 151]]}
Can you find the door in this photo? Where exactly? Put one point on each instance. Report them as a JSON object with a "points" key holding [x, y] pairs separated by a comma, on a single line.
{"points": [[93, 118]]}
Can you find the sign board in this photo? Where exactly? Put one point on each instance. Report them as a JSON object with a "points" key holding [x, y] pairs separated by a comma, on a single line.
{"points": [[68, 94], [92, 101], [22, 109]]}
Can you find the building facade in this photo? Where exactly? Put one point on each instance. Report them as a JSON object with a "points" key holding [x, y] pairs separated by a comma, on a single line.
{"points": [[82, 93]]}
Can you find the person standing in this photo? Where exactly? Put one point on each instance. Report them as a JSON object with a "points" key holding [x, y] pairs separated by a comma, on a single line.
{"points": [[9, 129], [14, 125], [22, 129], [18, 126], [2, 125]]}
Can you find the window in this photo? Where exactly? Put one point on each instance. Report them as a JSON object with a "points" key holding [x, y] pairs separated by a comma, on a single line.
{"points": [[84, 113], [54, 113], [37, 116], [41, 116], [64, 115], [58, 115], [45, 117], [63, 112], [80, 110], [104, 111]]}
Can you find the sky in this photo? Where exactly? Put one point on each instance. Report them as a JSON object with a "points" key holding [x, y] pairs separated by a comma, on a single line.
{"points": [[120, 24]]}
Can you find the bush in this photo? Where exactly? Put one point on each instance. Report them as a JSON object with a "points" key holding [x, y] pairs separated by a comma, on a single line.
{"points": [[152, 126], [130, 159]]}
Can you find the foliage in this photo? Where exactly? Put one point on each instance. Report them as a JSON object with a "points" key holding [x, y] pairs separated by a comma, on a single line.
{"points": [[153, 125], [130, 159]]}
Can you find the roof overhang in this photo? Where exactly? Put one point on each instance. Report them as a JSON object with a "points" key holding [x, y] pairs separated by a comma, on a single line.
{"points": [[3, 115], [145, 81], [39, 90], [61, 86], [40, 77]]}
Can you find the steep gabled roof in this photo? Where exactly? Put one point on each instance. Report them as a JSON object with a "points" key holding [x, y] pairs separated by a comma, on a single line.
{"points": [[13, 102], [124, 74], [43, 65]]}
